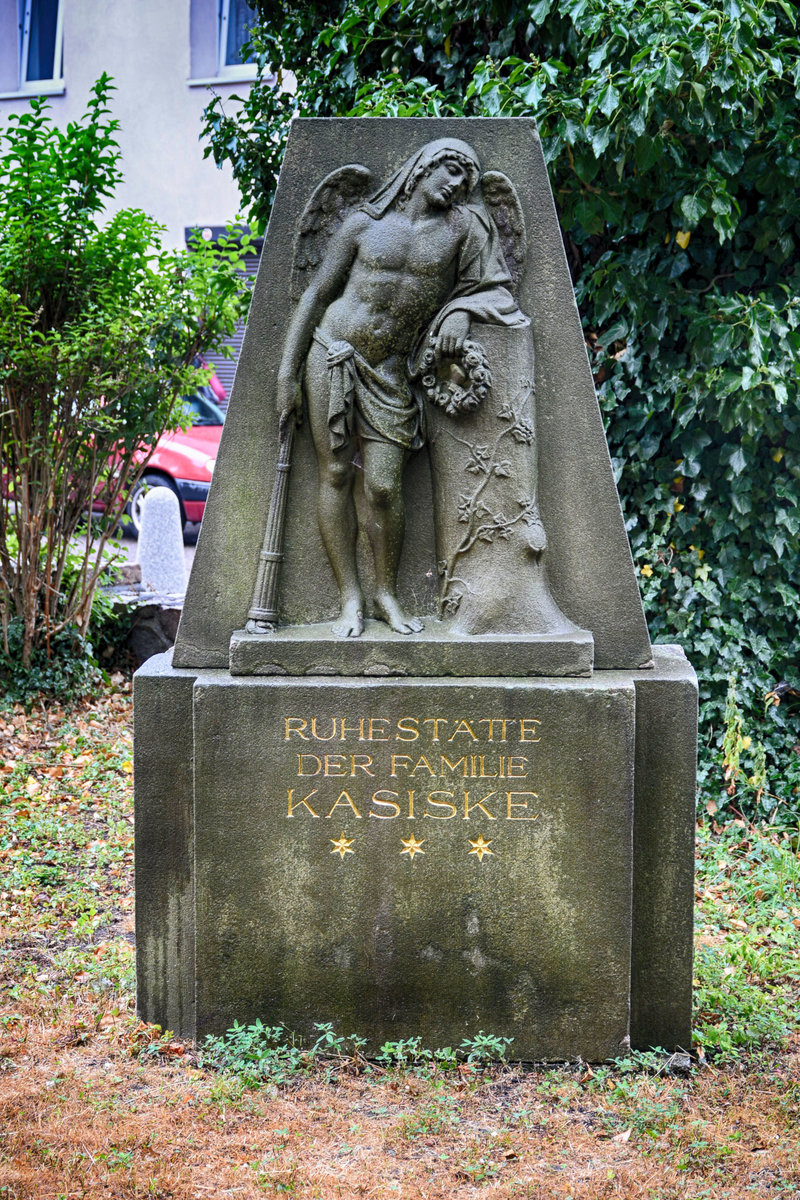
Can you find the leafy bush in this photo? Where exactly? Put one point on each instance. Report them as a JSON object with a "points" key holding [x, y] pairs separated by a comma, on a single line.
{"points": [[69, 671], [671, 132], [99, 328]]}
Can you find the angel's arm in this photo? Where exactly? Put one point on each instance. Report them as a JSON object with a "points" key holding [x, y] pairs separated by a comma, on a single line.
{"points": [[328, 283]]}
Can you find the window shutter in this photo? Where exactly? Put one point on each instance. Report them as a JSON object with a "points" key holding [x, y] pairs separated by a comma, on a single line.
{"points": [[225, 368]]}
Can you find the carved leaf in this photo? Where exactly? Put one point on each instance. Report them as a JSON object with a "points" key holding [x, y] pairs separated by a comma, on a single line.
{"points": [[502, 202], [332, 201], [503, 469], [479, 463], [502, 526]]}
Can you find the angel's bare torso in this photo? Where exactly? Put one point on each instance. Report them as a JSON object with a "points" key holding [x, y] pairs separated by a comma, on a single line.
{"points": [[400, 275]]}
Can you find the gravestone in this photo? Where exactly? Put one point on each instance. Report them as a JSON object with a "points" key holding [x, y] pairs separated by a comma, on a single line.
{"points": [[414, 767]]}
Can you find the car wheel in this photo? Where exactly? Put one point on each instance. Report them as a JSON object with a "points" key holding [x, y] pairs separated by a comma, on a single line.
{"points": [[133, 509]]}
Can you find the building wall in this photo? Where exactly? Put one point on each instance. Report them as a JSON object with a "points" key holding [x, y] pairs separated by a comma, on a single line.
{"points": [[162, 56]]}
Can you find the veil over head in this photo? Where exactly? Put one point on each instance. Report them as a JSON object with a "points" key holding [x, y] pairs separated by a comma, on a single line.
{"points": [[430, 153]]}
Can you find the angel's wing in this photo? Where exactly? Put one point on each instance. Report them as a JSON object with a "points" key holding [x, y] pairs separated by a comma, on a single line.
{"points": [[502, 202], [337, 195]]}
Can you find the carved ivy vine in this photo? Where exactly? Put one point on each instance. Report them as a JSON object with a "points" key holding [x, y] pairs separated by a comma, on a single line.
{"points": [[483, 524]]}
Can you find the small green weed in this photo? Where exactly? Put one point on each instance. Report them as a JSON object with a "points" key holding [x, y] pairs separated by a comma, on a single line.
{"points": [[484, 1048], [479, 1169], [438, 1116], [261, 1054]]}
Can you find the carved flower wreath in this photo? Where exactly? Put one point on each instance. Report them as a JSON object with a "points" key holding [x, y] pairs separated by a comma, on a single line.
{"points": [[465, 387]]}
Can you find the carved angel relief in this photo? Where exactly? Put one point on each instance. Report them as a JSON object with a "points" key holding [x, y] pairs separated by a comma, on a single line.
{"points": [[390, 287]]}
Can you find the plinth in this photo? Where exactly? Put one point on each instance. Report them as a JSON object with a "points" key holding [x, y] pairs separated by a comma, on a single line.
{"points": [[419, 855]]}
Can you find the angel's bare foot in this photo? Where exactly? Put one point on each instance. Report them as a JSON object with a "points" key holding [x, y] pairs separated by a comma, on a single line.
{"points": [[387, 607], [351, 622]]}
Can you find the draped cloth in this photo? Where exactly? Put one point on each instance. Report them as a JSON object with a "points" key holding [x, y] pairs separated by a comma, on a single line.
{"points": [[366, 401]]}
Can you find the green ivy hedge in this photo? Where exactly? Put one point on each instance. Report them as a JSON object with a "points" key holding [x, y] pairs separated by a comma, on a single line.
{"points": [[672, 136]]}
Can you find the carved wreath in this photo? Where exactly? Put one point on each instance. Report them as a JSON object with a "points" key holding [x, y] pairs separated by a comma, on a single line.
{"points": [[469, 382]]}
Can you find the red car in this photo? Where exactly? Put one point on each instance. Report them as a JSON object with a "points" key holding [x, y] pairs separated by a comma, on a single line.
{"points": [[183, 461]]}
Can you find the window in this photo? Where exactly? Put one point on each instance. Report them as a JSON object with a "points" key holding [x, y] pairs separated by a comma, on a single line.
{"points": [[40, 43], [236, 19]]}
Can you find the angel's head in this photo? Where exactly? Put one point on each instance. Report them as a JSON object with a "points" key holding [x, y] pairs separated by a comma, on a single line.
{"points": [[447, 170]]}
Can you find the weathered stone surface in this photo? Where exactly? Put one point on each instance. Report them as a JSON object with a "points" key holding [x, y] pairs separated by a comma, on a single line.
{"points": [[529, 938], [164, 846], [437, 650], [663, 883], [589, 563], [160, 550]]}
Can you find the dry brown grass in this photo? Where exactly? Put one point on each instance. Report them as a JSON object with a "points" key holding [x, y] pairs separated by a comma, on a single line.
{"points": [[93, 1105]]}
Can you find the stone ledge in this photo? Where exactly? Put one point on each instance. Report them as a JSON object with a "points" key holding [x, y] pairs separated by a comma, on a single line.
{"points": [[314, 650]]}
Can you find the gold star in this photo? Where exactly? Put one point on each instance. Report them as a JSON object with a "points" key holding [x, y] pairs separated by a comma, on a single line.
{"points": [[480, 847], [412, 846], [342, 846]]}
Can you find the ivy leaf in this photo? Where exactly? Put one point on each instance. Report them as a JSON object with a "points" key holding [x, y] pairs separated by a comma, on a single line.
{"points": [[693, 209], [609, 100]]}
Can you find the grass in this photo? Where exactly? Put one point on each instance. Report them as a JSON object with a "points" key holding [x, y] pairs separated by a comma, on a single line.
{"points": [[95, 1104]]}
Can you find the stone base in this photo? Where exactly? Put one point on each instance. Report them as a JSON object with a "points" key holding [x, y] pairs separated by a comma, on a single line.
{"points": [[428, 857], [436, 651]]}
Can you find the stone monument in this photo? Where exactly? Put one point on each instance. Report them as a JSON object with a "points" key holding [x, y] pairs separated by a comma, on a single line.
{"points": [[414, 767]]}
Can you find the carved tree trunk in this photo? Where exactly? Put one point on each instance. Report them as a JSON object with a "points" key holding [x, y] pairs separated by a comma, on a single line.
{"points": [[490, 541]]}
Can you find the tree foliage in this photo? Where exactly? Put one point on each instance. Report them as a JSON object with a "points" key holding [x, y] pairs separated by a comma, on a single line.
{"points": [[98, 331], [671, 132]]}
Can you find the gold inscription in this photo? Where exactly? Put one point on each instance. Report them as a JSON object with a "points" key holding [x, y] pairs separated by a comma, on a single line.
{"points": [[411, 729], [333, 765], [523, 804], [344, 801], [441, 804], [385, 816], [468, 766], [468, 807], [293, 804], [467, 759], [463, 727], [407, 729]]}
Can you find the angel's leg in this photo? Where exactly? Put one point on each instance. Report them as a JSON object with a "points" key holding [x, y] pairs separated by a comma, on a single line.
{"points": [[383, 490], [335, 507]]}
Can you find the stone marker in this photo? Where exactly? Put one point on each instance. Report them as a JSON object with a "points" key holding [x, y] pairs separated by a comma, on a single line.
{"points": [[160, 549], [414, 767]]}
